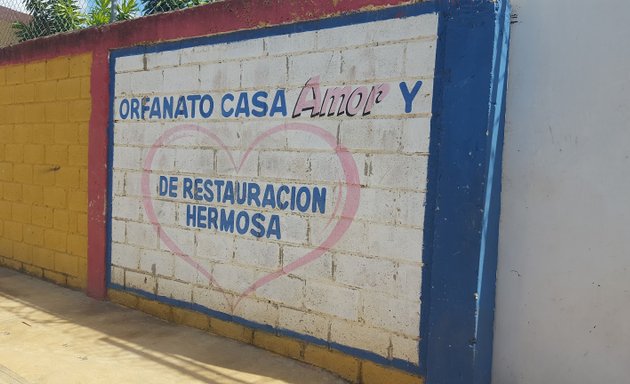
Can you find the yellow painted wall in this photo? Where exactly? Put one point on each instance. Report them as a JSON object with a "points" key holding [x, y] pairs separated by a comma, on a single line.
{"points": [[44, 116]]}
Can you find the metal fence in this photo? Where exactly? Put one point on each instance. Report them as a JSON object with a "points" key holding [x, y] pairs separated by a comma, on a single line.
{"points": [[22, 20]]}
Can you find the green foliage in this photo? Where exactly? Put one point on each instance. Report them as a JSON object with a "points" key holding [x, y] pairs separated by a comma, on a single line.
{"points": [[49, 17], [156, 6], [54, 16], [100, 13], [126, 10]]}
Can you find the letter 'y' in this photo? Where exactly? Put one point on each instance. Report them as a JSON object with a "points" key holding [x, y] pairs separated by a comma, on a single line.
{"points": [[409, 95]]}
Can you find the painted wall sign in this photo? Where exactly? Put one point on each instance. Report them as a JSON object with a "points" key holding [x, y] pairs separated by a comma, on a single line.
{"points": [[279, 177]]}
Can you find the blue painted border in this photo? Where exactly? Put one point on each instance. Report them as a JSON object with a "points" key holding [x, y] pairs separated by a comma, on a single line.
{"points": [[456, 327], [461, 218]]}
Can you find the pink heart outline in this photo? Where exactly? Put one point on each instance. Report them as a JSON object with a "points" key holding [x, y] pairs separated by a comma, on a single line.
{"points": [[350, 207]]}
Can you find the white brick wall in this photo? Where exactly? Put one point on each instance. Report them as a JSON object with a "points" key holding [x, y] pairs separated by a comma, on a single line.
{"points": [[363, 292]]}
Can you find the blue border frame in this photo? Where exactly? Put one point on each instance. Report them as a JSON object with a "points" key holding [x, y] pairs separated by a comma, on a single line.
{"points": [[456, 328]]}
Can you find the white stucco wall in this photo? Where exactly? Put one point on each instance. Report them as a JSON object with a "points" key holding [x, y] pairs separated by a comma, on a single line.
{"points": [[563, 301]]}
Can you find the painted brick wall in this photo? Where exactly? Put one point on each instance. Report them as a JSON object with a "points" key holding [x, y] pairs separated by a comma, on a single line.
{"points": [[362, 292], [45, 109]]}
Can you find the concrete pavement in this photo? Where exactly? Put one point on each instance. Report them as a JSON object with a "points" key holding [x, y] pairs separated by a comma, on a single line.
{"points": [[50, 334]]}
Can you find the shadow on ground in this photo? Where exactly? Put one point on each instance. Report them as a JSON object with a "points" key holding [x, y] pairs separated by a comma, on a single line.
{"points": [[50, 334]]}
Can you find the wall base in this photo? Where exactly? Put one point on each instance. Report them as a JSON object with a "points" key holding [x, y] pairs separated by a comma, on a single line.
{"points": [[348, 367]]}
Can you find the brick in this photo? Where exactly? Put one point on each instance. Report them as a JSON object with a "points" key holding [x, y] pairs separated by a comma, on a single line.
{"points": [[67, 177], [69, 89], [67, 264], [34, 153], [35, 71], [83, 179], [129, 63], [33, 235], [55, 277], [77, 245], [333, 300], [44, 258], [60, 219], [360, 336], [361, 272], [181, 78], [80, 65], [57, 154], [57, 112], [80, 110], [42, 216], [55, 240], [6, 171], [122, 298], [281, 345], [345, 366], [117, 275], [5, 210], [33, 194], [22, 133], [57, 68], [42, 133], [35, 113], [6, 133], [23, 252], [44, 175], [390, 313], [405, 348], [82, 224], [66, 133], [6, 247], [191, 318], [174, 289], [155, 308], [259, 254], [143, 235], [72, 222], [46, 91], [86, 87], [21, 213], [231, 330], [77, 155], [307, 323], [23, 173], [24, 93], [372, 373], [15, 74], [125, 256], [33, 270], [77, 282], [15, 113], [55, 197], [84, 129], [10, 263], [13, 231], [7, 94], [12, 191], [77, 201]]}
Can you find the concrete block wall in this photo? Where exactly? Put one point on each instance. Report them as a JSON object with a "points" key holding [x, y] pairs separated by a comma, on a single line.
{"points": [[364, 290], [45, 108]]}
